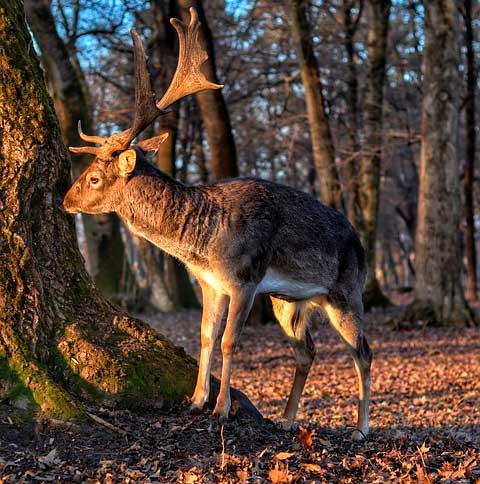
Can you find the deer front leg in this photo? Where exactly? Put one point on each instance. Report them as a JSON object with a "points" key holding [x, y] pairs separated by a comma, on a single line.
{"points": [[214, 305], [238, 310]]}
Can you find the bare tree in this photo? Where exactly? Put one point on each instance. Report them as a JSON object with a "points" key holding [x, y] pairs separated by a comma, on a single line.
{"points": [[438, 292], [350, 26], [378, 13], [322, 143], [470, 118], [216, 119]]}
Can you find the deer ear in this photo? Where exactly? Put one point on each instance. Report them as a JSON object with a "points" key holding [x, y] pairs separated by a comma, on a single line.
{"points": [[126, 162], [153, 144]]}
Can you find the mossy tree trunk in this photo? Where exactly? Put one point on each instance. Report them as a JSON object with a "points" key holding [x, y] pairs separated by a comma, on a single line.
{"points": [[438, 262], [378, 14], [61, 341], [105, 251]]}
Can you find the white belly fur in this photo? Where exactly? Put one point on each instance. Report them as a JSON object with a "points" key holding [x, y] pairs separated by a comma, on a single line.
{"points": [[272, 283], [277, 283]]}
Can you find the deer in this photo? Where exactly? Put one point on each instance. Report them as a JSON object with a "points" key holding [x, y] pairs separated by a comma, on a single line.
{"points": [[239, 238]]}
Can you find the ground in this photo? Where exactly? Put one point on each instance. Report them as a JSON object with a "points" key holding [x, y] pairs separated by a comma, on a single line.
{"points": [[425, 419]]}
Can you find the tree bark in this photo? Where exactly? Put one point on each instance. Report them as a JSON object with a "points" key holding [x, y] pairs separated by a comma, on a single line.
{"points": [[350, 24], [378, 13], [321, 137], [60, 341], [438, 264], [216, 119], [470, 250], [105, 252]]}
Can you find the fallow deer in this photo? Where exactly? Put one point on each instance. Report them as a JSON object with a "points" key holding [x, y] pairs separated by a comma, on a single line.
{"points": [[239, 237]]}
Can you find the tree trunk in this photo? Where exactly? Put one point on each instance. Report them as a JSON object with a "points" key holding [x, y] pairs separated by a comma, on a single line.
{"points": [[470, 156], [322, 143], [105, 252], [378, 13], [60, 340], [216, 119], [175, 275], [352, 166], [438, 293]]}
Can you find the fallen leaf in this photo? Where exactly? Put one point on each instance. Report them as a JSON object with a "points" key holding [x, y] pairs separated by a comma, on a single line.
{"points": [[313, 468], [305, 437], [422, 476], [424, 449], [279, 474], [242, 475], [284, 455], [325, 443]]}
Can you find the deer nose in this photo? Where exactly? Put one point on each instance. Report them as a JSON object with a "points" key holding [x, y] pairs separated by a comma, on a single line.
{"points": [[66, 206]]}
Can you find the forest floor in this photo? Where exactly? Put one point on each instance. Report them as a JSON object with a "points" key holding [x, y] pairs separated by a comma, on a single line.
{"points": [[425, 419]]}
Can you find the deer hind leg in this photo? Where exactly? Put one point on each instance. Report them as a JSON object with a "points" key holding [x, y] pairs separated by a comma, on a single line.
{"points": [[214, 305], [294, 318], [238, 310], [347, 320]]}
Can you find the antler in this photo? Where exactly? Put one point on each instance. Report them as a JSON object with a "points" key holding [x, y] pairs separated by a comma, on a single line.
{"points": [[188, 79]]}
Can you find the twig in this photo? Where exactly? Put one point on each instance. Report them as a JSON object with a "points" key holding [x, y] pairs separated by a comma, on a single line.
{"points": [[222, 465], [106, 424], [424, 465]]}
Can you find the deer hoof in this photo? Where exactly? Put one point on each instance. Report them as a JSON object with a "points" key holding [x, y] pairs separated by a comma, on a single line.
{"points": [[221, 412], [195, 408], [358, 435]]}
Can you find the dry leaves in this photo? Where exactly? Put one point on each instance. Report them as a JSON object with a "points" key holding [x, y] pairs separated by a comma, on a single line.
{"points": [[306, 437], [425, 418], [279, 474]]}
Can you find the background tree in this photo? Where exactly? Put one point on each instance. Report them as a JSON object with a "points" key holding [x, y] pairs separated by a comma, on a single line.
{"points": [[322, 143], [350, 23], [215, 116], [470, 148], [378, 12], [438, 290]]}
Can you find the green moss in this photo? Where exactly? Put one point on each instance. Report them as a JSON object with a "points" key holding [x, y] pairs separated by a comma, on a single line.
{"points": [[132, 369], [13, 390], [30, 387], [159, 375]]}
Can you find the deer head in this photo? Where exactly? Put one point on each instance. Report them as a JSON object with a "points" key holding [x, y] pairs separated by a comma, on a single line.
{"points": [[98, 188]]}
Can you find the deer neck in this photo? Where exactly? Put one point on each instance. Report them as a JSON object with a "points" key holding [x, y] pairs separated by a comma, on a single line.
{"points": [[178, 219]]}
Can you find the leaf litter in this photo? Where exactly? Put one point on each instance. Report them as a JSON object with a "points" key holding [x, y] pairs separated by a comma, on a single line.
{"points": [[425, 420]]}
